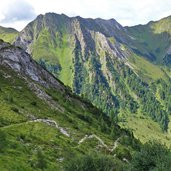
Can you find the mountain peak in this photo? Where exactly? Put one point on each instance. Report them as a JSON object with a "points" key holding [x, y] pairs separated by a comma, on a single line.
{"points": [[60, 23]]}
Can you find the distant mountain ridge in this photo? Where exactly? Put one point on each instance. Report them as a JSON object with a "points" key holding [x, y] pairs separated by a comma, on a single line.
{"points": [[8, 34], [155, 38], [74, 25]]}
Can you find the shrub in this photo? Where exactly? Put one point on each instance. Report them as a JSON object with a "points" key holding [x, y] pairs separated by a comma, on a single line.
{"points": [[122, 152], [34, 103], [14, 109], [9, 99], [41, 160], [93, 163], [152, 156], [3, 141]]}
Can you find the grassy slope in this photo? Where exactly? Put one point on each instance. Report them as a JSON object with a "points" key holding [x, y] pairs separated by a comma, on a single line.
{"points": [[8, 34], [162, 25], [145, 129], [142, 126], [56, 51], [65, 57], [154, 37], [23, 140], [148, 71]]}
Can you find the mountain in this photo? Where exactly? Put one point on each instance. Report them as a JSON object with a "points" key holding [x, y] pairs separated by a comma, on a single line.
{"points": [[53, 38], [43, 125], [153, 40], [8, 34], [95, 58]]}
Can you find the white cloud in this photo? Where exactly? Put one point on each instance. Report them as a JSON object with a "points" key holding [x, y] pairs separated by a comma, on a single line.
{"points": [[16, 13], [18, 10], [127, 12]]}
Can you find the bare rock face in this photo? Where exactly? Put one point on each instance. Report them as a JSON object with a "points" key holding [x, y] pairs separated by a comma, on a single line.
{"points": [[20, 61]]}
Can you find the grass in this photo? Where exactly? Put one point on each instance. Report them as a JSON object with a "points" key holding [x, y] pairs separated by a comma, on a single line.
{"points": [[148, 71], [112, 40], [56, 50], [27, 140], [21, 140], [42, 47], [65, 57], [153, 37], [146, 130], [8, 34]]}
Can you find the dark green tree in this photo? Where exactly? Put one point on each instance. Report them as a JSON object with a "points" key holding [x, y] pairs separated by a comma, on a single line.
{"points": [[152, 157], [41, 160]]}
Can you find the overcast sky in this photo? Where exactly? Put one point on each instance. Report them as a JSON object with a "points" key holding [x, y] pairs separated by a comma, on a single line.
{"points": [[17, 13]]}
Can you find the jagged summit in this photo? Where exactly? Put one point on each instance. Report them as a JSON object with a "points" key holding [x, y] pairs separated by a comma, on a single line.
{"points": [[71, 25]]}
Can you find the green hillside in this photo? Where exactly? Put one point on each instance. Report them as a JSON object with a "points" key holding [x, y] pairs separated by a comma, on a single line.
{"points": [[148, 71], [153, 39], [43, 126], [8, 34]]}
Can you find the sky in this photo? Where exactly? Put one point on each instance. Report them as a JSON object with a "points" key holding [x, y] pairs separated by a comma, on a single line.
{"points": [[18, 13]]}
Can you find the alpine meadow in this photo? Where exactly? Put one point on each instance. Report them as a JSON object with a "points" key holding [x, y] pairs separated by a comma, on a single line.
{"points": [[84, 94]]}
